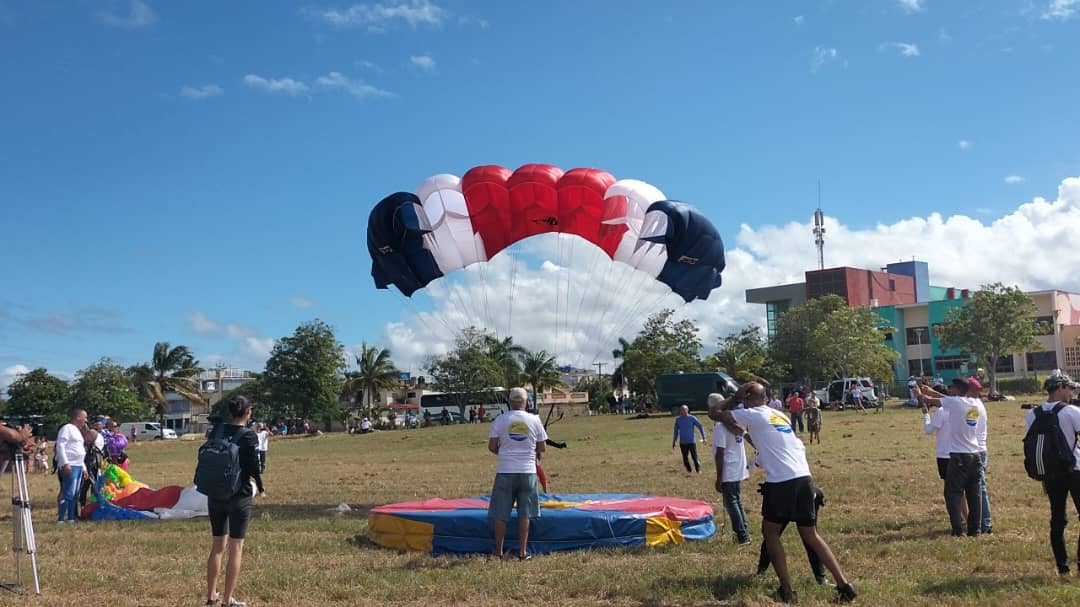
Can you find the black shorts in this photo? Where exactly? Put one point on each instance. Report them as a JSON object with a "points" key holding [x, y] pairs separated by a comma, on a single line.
{"points": [[942, 466], [230, 516], [790, 501]]}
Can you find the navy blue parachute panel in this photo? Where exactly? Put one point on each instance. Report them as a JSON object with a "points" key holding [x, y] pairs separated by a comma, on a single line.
{"points": [[396, 230], [695, 251]]}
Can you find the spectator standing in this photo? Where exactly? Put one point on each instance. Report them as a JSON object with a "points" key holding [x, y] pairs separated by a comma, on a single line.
{"points": [[685, 424], [262, 446], [729, 454], [70, 456], [516, 438], [795, 407]]}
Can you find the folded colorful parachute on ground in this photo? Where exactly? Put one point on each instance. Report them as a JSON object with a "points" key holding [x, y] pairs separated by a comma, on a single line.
{"points": [[567, 522], [119, 497]]}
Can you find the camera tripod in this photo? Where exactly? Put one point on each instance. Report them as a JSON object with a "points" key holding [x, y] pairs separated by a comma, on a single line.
{"points": [[22, 541]]}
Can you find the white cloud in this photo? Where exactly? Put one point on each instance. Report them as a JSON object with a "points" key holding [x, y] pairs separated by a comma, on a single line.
{"points": [[276, 85], [943, 35], [1061, 9], [201, 92], [302, 302], [821, 56], [379, 15], [1011, 179], [368, 65], [424, 62], [963, 144], [799, 20], [139, 15], [906, 49], [356, 88], [911, 6], [254, 348], [565, 304], [10, 374]]}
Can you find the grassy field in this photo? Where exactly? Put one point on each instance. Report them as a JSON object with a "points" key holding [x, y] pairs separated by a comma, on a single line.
{"points": [[884, 519]]}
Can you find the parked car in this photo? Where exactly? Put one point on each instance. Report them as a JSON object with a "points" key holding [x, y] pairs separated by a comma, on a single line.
{"points": [[146, 430], [834, 395]]}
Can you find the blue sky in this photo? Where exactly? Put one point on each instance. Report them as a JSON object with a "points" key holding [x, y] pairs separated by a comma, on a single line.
{"points": [[201, 172]]}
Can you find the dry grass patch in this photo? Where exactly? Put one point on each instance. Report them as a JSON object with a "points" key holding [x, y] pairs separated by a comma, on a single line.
{"points": [[884, 518]]}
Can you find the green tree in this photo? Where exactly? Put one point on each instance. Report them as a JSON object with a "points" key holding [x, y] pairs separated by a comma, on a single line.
{"points": [[620, 376], [304, 372], [850, 342], [374, 371], [794, 346], [997, 321], [103, 389], [598, 392], [170, 370], [507, 356], [663, 346], [539, 369], [467, 371], [254, 390], [38, 393], [743, 355]]}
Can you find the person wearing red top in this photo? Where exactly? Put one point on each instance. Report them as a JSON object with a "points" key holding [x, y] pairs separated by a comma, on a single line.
{"points": [[795, 407]]}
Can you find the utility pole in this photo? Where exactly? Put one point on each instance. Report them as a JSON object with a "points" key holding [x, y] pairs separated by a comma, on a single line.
{"points": [[599, 371]]}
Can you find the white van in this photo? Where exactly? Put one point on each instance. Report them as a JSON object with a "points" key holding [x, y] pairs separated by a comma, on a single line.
{"points": [[145, 430], [834, 395]]}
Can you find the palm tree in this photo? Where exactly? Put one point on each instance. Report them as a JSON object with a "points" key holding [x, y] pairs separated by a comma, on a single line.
{"points": [[374, 371], [618, 376], [539, 369], [171, 370], [506, 355]]}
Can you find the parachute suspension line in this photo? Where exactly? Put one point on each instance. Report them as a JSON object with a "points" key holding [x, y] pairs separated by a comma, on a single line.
{"points": [[558, 289], [566, 304], [510, 298], [587, 329], [632, 287], [433, 333], [648, 308]]}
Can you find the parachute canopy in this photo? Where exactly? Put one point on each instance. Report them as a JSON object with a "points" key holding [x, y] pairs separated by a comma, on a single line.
{"points": [[450, 223]]}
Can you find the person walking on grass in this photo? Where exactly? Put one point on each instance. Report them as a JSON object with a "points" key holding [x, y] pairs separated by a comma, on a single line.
{"points": [[516, 438], [1060, 390], [813, 418], [935, 424], [788, 492], [230, 515], [965, 466], [794, 405], [684, 435], [729, 454]]}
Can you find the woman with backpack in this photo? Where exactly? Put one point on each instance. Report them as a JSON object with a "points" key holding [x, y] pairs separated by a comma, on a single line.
{"points": [[228, 462]]}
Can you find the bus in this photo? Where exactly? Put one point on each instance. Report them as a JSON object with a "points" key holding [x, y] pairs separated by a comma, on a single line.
{"points": [[673, 390], [493, 401]]}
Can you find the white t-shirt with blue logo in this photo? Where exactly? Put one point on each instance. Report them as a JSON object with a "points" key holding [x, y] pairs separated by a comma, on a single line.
{"points": [[780, 452], [963, 422], [735, 469], [518, 433]]}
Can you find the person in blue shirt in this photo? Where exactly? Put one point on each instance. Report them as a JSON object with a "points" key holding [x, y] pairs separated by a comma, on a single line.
{"points": [[684, 434]]}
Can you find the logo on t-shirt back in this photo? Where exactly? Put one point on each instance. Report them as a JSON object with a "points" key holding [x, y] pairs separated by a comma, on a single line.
{"points": [[972, 417], [781, 423], [518, 430]]}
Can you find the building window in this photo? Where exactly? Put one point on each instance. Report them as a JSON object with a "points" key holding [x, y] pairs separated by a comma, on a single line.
{"points": [[828, 282], [1047, 323], [892, 284], [919, 367], [917, 336], [773, 311], [1072, 357], [1042, 361], [950, 363], [1005, 365], [888, 336]]}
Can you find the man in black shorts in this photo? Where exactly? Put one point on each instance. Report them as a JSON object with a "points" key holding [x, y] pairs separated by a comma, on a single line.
{"points": [[230, 516], [789, 491]]}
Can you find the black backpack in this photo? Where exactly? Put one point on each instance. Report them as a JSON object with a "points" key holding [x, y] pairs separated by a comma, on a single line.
{"points": [[217, 474], [1047, 454]]}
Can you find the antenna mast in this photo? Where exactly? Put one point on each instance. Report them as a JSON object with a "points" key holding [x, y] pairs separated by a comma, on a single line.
{"points": [[819, 230]]}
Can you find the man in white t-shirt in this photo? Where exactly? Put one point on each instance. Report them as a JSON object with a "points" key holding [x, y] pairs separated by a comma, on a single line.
{"points": [[70, 456], [965, 467], [788, 490], [1060, 388], [516, 437], [262, 446], [934, 424], [729, 453]]}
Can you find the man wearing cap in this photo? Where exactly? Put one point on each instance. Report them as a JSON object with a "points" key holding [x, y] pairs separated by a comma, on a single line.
{"points": [[965, 466], [1060, 388]]}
